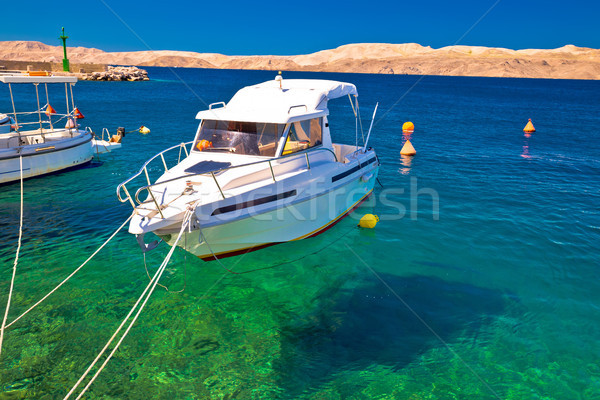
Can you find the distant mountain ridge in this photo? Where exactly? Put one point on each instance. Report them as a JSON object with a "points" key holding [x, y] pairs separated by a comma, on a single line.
{"points": [[567, 62]]}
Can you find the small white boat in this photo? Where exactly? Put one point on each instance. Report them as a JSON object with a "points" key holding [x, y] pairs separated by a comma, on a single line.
{"points": [[36, 136], [108, 145], [262, 170]]}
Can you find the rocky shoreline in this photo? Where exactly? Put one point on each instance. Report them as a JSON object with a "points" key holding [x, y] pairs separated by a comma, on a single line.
{"points": [[131, 74]]}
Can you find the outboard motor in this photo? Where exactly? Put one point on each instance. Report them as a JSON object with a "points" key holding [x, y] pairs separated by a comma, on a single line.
{"points": [[119, 136]]}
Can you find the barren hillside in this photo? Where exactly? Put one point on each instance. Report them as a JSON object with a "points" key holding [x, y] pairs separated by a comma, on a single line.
{"points": [[567, 62]]}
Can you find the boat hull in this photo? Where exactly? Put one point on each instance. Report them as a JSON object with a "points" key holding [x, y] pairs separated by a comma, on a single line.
{"points": [[45, 158], [295, 221]]}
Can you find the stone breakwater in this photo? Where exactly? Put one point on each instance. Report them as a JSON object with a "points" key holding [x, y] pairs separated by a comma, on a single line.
{"points": [[131, 74]]}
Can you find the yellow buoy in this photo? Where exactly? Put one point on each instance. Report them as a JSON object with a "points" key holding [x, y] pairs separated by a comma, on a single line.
{"points": [[144, 130], [529, 127], [408, 127], [408, 149], [368, 221]]}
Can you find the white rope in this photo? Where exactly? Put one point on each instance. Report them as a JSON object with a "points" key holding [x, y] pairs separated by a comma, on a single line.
{"points": [[48, 105], [67, 97], [355, 129], [72, 101], [13, 105], [184, 271], [72, 273], [39, 111], [213, 253], [355, 119], [360, 121], [146, 293], [14, 273]]}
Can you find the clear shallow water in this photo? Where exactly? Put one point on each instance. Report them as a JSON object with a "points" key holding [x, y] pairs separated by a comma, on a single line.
{"points": [[504, 271]]}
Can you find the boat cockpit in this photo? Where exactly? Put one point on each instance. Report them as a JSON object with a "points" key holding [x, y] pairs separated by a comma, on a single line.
{"points": [[258, 138]]}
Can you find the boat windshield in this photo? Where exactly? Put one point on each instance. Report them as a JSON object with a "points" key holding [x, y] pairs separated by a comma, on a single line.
{"points": [[247, 138]]}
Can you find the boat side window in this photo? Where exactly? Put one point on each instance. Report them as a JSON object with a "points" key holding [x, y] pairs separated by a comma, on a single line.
{"points": [[239, 137], [268, 138], [303, 135]]}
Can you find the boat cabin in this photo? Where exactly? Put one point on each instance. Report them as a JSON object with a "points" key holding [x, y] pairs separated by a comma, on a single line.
{"points": [[23, 128], [272, 119]]}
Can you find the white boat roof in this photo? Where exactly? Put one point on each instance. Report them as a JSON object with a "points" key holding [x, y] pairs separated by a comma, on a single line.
{"points": [[295, 100], [37, 79]]}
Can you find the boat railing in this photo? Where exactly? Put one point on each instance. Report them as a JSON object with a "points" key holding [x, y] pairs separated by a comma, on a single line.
{"points": [[105, 131], [36, 112], [222, 103], [297, 106], [42, 134], [144, 170], [213, 174], [41, 110], [47, 132], [43, 124]]}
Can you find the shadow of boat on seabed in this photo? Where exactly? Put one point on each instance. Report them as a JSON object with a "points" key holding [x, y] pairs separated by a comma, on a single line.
{"points": [[371, 326]]}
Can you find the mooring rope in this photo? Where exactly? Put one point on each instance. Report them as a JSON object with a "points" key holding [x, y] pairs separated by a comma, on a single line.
{"points": [[214, 255], [146, 296], [14, 272], [184, 272], [72, 273], [274, 265], [360, 121]]}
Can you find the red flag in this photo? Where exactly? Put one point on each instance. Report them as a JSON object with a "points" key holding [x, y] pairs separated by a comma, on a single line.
{"points": [[77, 114], [50, 110]]}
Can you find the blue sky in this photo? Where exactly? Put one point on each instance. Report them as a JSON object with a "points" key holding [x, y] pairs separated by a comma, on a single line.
{"points": [[299, 27]]}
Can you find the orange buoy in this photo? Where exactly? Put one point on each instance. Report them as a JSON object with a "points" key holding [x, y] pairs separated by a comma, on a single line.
{"points": [[50, 110], [529, 127], [77, 114], [408, 149], [408, 127]]}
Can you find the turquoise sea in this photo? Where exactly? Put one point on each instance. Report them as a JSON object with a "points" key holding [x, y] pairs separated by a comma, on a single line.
{"points": [[479, 282]]}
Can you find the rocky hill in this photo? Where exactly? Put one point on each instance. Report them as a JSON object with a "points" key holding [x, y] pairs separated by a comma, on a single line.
{"points": [[567, 62]]}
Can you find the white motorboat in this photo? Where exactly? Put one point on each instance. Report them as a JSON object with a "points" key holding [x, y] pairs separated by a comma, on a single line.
{"points": [[37, 138], [261, 170], [110, 143]]}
